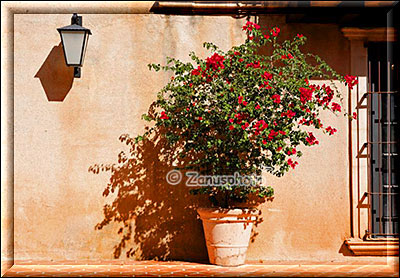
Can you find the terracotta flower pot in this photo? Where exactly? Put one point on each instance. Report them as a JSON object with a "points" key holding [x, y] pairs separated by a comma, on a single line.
{"points": [[227, 233]]}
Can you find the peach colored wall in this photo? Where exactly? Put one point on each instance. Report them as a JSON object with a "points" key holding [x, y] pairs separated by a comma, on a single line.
{"points": [[58, 202]]}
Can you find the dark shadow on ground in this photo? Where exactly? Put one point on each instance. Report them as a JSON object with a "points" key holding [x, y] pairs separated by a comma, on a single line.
{"points": [[56, 77]]}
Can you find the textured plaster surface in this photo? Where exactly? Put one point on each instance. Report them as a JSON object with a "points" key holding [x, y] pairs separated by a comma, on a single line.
{"points": [[64, 125]]}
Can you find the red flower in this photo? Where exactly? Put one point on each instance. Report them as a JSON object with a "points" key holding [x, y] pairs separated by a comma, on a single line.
{"points": [[299, 35], [354, 115], [196, 71], [257, 107], [331, 130], [311, 139], [305, 94], [279, 149], [215, 62], [272, 134], [275, 31], [164, 116], [250, 25], [264, 141], [260, 125], [292, 151], [244, 103], [290, 56], [351, 81], [290, 114], [187, 109], [231, 120], [231, 127], [266, 37], [282, 132], [240, 99], [336, 107], [267, 75], [276, 98], [292, 164], [200, 118], [241, 60], [266, 85]]}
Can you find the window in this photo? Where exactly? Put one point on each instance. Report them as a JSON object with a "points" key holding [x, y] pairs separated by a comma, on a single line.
{"points": [[383, 106]]}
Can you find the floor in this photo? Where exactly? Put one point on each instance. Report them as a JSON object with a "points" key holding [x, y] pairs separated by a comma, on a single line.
{"points": [[186, 269]]}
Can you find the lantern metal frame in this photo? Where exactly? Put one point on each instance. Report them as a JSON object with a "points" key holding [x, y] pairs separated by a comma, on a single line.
{"points": [[76, 25]]}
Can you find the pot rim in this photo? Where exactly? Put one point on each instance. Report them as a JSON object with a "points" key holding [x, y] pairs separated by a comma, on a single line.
{"points": [[227, 212]]}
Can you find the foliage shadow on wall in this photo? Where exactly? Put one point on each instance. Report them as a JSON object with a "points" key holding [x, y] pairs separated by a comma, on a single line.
{"points": [[158, 220], [55, 76]]}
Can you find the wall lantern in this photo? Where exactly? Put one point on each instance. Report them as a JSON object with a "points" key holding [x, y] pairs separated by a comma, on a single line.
{"points": [[74, 39]]}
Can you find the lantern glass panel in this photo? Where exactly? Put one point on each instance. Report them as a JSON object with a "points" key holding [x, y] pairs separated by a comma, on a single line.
{"points": [[73, 46], [85, 46]]}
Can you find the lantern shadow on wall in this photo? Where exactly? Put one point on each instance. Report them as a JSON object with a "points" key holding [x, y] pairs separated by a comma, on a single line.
{"points": [[56, 77]]}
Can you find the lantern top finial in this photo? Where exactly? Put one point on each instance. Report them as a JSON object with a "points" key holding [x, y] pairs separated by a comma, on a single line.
{"points": [[76, 25]]}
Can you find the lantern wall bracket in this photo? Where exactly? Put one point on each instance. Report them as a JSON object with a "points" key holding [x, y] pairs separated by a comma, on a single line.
{"points": [[76, 19]]}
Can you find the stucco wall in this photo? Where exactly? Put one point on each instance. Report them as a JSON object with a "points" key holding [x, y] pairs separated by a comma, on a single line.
{"points": [[63, 125]]}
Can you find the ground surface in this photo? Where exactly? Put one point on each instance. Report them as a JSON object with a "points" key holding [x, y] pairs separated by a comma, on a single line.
{"points": [[364, 268]]}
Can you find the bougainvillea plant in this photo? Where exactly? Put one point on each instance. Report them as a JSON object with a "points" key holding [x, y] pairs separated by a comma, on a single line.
{"points": [[241, 111]]}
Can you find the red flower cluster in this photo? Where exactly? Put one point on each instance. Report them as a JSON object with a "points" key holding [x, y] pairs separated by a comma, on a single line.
{"points": [[305, 122], [267, 75], [291, 163], [215, 62], [275, 31], [250, 25], [336, 107], [260, 126], [276, 98], [328, 97], [246, 125], [241, 101], [272, 134], [289, 56], [290, 114], [331, 130], [257, 107], [265, 85], [196, 71], [253, 65], [300, 35], [354, 115], [164, 116], [238, 117], [311, 139], [292, 151], [351, 81], [305, 94]]}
